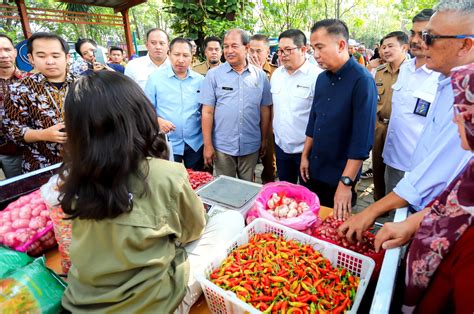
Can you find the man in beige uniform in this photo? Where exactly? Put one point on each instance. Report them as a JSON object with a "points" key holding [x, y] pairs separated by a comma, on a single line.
{"points": [[213, 53], [395, 46], [259, 50]]}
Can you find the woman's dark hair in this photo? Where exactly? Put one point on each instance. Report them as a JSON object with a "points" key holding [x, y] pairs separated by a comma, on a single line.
{"points": [[112, 128], [82, 41]]}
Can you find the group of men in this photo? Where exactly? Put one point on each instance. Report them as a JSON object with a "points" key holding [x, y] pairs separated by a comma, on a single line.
{"points": [[311, 124]]}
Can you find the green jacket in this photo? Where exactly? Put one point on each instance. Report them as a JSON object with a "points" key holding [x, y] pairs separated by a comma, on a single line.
{"points": [[134, 263]]}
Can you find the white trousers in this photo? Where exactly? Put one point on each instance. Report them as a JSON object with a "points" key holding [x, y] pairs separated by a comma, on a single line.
{"points": [[220, 229]]}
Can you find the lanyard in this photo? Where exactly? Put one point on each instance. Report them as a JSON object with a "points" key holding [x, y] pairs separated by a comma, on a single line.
{"points": [[59, 109]]}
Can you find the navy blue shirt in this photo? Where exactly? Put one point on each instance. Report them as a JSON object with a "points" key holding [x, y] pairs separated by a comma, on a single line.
{"points": [[342, 120], [116, 67]]}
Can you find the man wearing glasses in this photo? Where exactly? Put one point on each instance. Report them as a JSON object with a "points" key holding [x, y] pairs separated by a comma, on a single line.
{"points": [[438, 157], [412, 99], [292, 87], [341, 124], [236, 111]]}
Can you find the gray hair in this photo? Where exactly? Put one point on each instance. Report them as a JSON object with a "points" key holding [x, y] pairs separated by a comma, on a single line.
{"points": [[243, 34], [462, 6]]}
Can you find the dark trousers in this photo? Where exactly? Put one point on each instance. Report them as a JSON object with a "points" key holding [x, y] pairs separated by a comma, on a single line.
{"points": [[192, 159], [288, 166], [326, 193]]}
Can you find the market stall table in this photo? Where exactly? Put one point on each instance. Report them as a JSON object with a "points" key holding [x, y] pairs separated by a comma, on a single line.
{"points": [[53, 261]]}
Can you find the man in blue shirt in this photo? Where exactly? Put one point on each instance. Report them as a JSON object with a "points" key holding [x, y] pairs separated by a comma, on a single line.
{"points": [[438, 156], [340, 130], [236, 111], [174, 92]]}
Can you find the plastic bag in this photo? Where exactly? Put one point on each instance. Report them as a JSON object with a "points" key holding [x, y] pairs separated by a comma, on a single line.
{"points": [[11, 260], [299, 193], [62, 226], [31, 289], [25, 225]]}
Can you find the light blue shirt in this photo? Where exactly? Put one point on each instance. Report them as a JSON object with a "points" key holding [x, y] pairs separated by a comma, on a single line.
{"points": [[413, 85], [237, 99], [438, 157], [177, 101]]}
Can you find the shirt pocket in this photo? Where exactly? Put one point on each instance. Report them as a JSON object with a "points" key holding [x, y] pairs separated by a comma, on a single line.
{"points": [[140, 220], [302, 91]]}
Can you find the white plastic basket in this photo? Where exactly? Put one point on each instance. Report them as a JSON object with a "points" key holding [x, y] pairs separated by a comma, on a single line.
{"points": [[221, 301]]}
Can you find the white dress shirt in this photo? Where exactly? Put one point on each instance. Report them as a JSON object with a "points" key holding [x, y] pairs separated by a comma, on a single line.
{"points": [[438, 157], [405, 126], [292, 96], [140, 69]]}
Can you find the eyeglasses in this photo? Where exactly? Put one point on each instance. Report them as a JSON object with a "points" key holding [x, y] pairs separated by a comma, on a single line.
{"points": [[428, 38], [286, 51]]}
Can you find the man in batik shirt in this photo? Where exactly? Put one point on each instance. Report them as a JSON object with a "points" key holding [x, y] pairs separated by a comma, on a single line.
{"points": [[34, 106], [10, 154]]}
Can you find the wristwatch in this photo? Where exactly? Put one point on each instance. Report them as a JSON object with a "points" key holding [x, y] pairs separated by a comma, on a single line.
{"points": [[347, 181]]}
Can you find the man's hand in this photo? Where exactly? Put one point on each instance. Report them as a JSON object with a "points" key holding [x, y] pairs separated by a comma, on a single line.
{"points": [[304, 168], [166, 126], [356, 225], [343, 202], [53, 134], [394, 234], [263, 148], [254, 60], [209, 155]]}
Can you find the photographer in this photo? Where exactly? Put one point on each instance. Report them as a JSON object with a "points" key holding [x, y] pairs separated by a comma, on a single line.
{"points": [[88, 50]]}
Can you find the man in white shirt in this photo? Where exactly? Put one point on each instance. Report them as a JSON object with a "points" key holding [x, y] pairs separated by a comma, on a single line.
{"points": [[292, 88], [413, 94], [157, 44]]}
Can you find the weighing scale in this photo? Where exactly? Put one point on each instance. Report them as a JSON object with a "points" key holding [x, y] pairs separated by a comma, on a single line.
{"points": [[227, 193]]}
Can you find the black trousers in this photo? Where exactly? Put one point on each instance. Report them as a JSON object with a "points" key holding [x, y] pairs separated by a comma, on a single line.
{"points": [[326, 193]]}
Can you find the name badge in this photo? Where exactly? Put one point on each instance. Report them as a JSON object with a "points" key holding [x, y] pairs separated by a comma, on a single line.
{"points": [[422, 107], [301, 86], [227, 88]]}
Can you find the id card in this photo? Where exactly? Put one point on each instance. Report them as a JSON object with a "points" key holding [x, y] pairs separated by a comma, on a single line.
{"points": [[422, 107]]}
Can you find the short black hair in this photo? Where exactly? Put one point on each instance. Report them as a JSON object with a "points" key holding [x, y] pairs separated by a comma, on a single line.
{"points": [[401, 37], [212, 38], [243, 34], [181, 40], [82, 41], [46, 35], [2, 35], [298, 37], [332, 26], [156, 29], [115, 48], [260, 37], [423, 16]]}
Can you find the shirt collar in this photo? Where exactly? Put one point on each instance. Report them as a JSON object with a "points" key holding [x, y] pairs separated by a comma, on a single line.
{"points": [[411, 64], [40, 78], [228, 67], [190, 74], [304, 68], [346, 67], [444, 80], [152, 63]]}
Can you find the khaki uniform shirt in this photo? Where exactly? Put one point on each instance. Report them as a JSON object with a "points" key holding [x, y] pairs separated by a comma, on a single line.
{"points": [[269, 68], [384, 79], [203, 67], [135, 263]]}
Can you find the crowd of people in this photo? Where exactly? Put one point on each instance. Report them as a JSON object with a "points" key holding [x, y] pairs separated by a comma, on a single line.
{"points": [[312, 117]]}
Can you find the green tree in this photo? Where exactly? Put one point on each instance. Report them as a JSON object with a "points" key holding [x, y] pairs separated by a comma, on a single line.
{"points": [[198, 18]]}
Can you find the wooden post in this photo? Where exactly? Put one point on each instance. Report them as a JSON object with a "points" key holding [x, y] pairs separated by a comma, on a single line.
{"points": [[128, 33], [25, 21]]}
